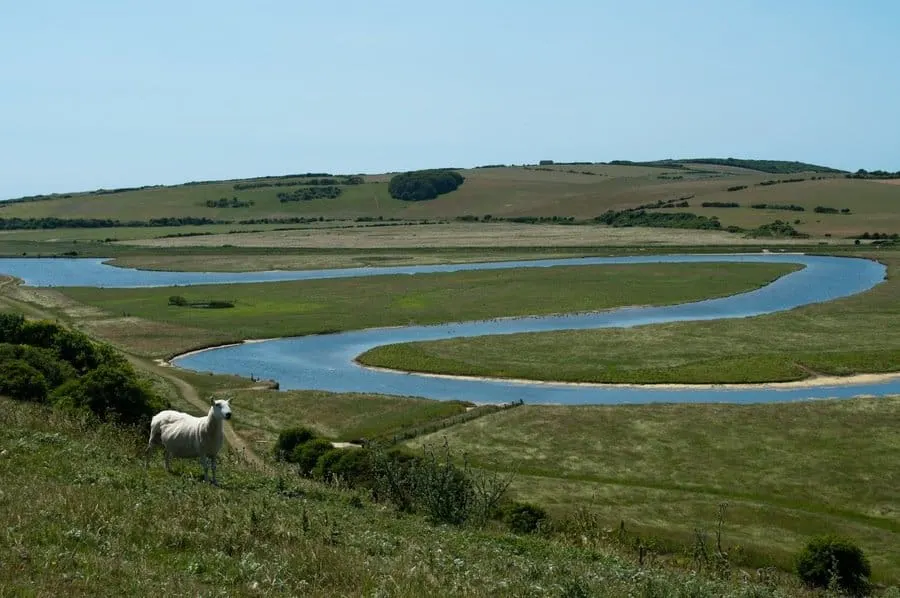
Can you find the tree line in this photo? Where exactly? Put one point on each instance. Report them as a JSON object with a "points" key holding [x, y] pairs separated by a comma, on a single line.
{"points": [[53, 222], [310, 193], [323, 180]]}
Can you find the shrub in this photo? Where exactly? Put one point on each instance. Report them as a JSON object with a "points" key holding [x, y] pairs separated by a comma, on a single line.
{"points": [[523, 518], [11, 327], [441, 489], [306, 455], [825, 210], [43, 360], [178, 300], [323, 468], [38, 333], [21, 381], [289, 439], [829, 559], [111, 392], [355, 466]]}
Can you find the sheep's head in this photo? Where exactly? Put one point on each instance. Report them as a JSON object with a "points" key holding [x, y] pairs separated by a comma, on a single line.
{"points": [[221, 409]]}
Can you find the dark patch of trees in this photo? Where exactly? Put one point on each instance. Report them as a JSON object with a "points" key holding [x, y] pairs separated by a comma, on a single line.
{"points": [[518, 219], [720, 204], [680, 202], [780, 181], [42, 361], [627, 218], [862, 173], [737, 188], [289, 220], [776, 206], [421, 185], [52, 222], [778, 228], [179, 301], [317, 180], [224, 202], [867, 235], [827, 210], [770, 166], [310, 193]]}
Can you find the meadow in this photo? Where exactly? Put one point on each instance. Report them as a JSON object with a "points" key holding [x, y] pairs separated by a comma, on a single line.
{"points": [[84, 519], [851, 335], [787, 470], [269, 310]]}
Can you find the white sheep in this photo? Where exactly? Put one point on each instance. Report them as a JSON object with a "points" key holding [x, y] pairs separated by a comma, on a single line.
{"points": [[183, 435]]}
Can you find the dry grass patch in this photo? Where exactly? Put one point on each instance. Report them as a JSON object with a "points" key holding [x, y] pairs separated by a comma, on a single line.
{"points": [[466, 235]]}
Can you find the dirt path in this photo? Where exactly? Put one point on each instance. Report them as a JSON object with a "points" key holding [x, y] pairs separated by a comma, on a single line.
{"points": [[184, 389]]}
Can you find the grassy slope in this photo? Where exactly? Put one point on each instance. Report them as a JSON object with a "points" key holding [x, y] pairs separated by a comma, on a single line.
{"points": [[507, 192], [852, 335], [787, 471], [296, 308], [84, 518]]}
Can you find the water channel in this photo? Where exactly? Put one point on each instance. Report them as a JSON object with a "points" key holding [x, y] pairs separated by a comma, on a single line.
{"points": [[326, 362]]}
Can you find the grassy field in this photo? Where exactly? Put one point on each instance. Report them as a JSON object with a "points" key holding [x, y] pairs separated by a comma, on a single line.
{"points": [[481, 235], [128, 317], [340, 417], [85, 518], [557, 190], [852, 335], [786, 470]]}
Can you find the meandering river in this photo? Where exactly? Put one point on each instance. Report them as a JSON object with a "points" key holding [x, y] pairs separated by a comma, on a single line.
{"points": [[326, 362]]}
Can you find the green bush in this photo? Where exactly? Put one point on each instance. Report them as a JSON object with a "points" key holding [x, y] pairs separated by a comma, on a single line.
{"points": [[289, 439], [306, 455], [523, 518], [45, 361], [442, 490], [111, 392], [21, 381], [323, 468], [39, 333], [826, 560], [355, 466], [11, 327]]}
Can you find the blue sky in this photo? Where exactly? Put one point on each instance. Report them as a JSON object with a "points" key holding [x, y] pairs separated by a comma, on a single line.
{"points": [[108, 93]]}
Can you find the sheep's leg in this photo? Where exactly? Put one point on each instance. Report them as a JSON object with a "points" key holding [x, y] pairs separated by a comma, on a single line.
{"points": [[168, 461], [204, 462], [148, 453], [212, 460]]}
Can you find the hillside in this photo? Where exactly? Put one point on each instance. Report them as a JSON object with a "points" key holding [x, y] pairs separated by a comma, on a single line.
{"points": [[769, 166], [556, 193], [98, 524]]}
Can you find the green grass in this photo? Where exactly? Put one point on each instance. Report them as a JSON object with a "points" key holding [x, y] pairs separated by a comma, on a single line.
{"points": [[858, 334], [309, 307], [787, 471], [84, 518], [339, 417]]}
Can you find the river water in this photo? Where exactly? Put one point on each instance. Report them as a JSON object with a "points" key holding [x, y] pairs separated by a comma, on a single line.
{"points": [[326, 362]]}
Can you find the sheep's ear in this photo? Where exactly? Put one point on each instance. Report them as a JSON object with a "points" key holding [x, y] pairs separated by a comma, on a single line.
{"points": [[212, 401]]}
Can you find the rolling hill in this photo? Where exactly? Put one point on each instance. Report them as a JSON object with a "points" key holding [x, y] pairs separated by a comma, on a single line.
{"points": [[569, 192]]}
